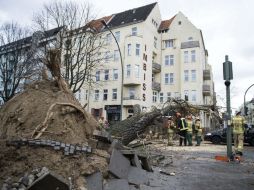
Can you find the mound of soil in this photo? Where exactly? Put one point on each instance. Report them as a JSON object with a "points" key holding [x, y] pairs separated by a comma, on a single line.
{"points": [[44, 111]]}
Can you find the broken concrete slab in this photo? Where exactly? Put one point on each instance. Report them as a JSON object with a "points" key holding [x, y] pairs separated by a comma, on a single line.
{"points": [[137, 176], [146, 187], [94, 181], [119, 165], [145, 163], [136, 162], [117, 184], [103, 136], [133, 187], [49, 181]]}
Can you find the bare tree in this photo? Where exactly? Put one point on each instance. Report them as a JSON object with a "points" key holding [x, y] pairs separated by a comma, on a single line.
{"points": [[16, 57], [80, 44]]}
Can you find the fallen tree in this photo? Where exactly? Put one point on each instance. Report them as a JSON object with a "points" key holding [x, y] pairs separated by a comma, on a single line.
{"points": [[131, 128]]}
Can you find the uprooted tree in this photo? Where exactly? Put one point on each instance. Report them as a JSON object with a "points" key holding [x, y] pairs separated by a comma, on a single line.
{"points": [[131, 128]]}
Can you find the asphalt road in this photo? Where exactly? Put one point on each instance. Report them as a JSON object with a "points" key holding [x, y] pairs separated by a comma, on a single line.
{"points": [[196, 168]]}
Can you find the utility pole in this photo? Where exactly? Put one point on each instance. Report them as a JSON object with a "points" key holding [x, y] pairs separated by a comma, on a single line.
{"points": [[228, 75]]}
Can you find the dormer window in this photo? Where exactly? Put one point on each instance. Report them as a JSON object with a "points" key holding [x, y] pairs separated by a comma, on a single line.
{"points": [[179, 22]]}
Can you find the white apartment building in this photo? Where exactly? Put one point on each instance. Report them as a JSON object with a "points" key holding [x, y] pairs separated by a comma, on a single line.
{"points": [[161, 59]]}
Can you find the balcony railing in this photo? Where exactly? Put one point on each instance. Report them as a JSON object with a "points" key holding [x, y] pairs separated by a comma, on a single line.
{"points": [[156, 67], [206, 74], [156, 86], [206, 90], [131, 98]]}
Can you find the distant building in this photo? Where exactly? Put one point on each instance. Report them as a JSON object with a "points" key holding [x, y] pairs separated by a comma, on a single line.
{"points": [[26, 50]]}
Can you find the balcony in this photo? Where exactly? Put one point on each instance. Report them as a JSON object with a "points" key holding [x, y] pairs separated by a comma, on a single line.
{"points": [[156, 67], [132, 80], [156, 86], [206, 74], [131, 100], [206, 90]]}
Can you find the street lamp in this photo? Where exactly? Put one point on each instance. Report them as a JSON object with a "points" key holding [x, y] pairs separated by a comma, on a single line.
{"points": [[244, 103], [106, 26]]}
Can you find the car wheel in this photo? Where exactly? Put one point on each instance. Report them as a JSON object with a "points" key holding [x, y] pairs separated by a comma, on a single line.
{"points": [[252, 142], [216, 140]]}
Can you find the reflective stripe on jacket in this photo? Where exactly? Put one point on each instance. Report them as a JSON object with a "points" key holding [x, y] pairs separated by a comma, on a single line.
{"points": [[189, 125], [182, 124], [238, 124], [198, 128]]}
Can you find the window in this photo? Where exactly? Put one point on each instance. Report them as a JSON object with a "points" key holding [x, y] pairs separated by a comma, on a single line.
{"points": [[132, 93], [171, 60], [193, 96], [166, 78], [129, 49], [115, 74], [106, 74], [153, 77], [168, 43], [117, 35], [193, 56], [185, 56], [116, 55], [107, 56], [96, 95], [186, 75], [128, 70], [105, 94], [171, 78], [97, 75], [193, 75], [114, 94], [154, 96], [134, 31], [168, 95], [186, 95], [161, 97], [137, 71], [137, 49], [167, 60], [108, 38], [155, 42]]}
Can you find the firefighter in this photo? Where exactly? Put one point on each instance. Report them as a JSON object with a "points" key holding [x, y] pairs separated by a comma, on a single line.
{"points": [[238, 123], [182, 128], [190, 126], [171, 130], [198, 130]]}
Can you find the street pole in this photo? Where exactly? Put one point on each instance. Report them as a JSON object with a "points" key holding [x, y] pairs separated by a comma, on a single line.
{"points": [[228, 75], [121, 60], [244, 103]]}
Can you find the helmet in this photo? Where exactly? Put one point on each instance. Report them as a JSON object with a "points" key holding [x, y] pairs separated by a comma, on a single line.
{"points": [[189, 117], [178, 114]]}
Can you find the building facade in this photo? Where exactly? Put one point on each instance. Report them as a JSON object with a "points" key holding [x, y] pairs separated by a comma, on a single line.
{"points": [[161, 59]]}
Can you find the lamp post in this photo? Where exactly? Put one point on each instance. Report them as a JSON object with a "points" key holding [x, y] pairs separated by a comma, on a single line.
{"points": [[244, 103], [228, 75], [121, 60]]}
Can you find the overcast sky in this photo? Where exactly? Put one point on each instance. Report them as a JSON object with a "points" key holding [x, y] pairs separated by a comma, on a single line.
{"points": [[227, 26]]}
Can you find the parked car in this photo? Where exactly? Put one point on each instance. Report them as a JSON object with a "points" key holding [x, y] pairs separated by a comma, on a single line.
{"points": [[220, 136]]}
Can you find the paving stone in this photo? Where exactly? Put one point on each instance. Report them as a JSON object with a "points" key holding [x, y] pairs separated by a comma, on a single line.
{"points": [[49, 181], [137, 176], [94, 181], [89, 149], [56, 147], [62, 145], [119, 165], [117, 184]]}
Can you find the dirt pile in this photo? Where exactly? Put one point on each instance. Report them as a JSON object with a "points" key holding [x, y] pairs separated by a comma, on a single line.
{"points": [[44, 112]]}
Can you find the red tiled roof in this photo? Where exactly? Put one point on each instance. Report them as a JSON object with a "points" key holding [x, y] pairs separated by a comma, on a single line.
{"points": [[97, 25], [166, 23]]}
